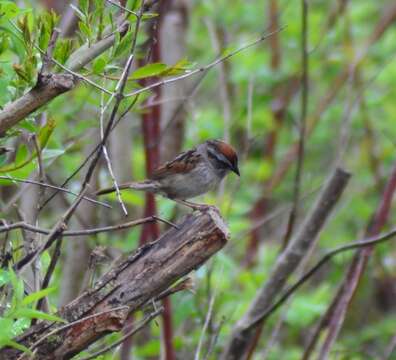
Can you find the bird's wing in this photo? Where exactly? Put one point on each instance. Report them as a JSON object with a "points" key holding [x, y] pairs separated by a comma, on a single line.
{"points": [[184, 162]]}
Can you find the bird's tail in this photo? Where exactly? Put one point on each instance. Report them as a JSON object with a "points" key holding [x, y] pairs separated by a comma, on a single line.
{"points": [[140, 186]]}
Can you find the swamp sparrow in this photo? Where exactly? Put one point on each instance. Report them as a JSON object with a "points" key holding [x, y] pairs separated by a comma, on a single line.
{"points": [[190, 174]]}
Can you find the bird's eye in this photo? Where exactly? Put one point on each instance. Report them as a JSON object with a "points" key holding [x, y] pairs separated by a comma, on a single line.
{"points": [[221, 161]]}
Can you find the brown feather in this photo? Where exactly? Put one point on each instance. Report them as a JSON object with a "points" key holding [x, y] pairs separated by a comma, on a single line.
{"points": [[181, 164], [227, 150]]}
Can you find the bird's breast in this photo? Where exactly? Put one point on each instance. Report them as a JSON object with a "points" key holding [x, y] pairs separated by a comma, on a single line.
{"points": [[188, 185]]}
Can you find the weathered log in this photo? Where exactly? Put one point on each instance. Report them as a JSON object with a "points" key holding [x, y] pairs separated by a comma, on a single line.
{"points": [[133, 282]]}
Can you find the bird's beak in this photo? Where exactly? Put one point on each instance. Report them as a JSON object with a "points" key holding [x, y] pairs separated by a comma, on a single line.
{"points": [[236, 170]]}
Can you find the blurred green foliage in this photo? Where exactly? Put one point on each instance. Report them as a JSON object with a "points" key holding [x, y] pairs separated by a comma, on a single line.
{"points": [[369, 154]]}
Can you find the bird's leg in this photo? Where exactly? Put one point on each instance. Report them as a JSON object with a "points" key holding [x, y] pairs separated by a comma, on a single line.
{"points": [[194, 206]]}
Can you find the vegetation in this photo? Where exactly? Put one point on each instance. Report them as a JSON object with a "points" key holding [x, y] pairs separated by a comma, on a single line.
{"points": [[97, 92]]}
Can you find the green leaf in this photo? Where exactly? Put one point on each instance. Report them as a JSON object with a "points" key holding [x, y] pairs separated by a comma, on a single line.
{"points": [[8, 9], [15, 345], [153, 69], [35, 314], [123, 46], [180, 67], [4, 277], [19, 326], [148, 16], [4, 43], [43, 137], [99, 65], [6, 329], [33, 297], [24, 26], [63, 49], [18, 289], [85, 30], [84, 6], [44, 37], [79, 13], [52, 153]]}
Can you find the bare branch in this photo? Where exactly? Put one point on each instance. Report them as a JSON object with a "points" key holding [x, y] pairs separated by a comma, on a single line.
{"points": [[127, 335], [38, 183], [25, 226], [302, 125]]}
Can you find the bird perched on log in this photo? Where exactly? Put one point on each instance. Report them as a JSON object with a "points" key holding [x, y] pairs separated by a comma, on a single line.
{"points": [[190, 174]]}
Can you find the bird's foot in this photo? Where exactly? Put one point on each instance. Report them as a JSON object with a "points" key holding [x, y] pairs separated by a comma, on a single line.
{"points": [[195, 206]]}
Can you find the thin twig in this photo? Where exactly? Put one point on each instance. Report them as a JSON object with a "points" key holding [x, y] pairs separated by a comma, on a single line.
{"points": [[206, 67], [56, 231], [27, 227], [127, 335], [50, 270], [302, 125], [47, 56], [58, 188], [107, 158], [375, 240], [206, 324], [122, 8], [215, 338]]}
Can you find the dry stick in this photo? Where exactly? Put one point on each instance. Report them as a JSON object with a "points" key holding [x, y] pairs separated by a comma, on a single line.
{"points": [[38, 183], [285, 265], [47, 56], [37, 263], [107, 158], [357, 267], [25, 226], [215, 338], [185, 284], [50, 270], [128, 334], [302, 125], [206, 324]]}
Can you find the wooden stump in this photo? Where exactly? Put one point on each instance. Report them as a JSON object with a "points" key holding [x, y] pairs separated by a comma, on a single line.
{"points": [[133, 282]]}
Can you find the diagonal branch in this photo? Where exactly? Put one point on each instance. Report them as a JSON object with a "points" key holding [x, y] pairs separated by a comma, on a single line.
{"points": [[49, 86]]}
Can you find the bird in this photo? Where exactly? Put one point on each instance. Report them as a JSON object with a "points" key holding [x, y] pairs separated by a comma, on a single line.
{"points": [[189, 174]]}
